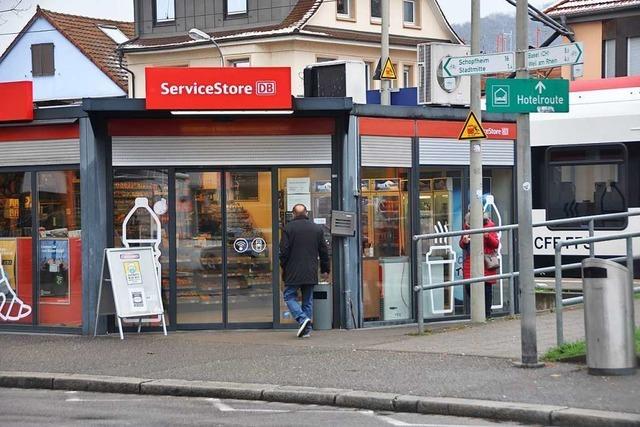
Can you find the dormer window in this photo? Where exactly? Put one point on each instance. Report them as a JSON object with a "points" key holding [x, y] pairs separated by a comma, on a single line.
{"points": [[165, 11], [236, 7]]}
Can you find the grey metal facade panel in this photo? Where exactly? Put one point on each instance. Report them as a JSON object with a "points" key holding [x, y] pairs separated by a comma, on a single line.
{"points": [[437, 151], [41, 152], [222, 151], [209, 16], [385, 151]]}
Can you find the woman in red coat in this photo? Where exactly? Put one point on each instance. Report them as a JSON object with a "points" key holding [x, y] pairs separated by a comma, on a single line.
{"points": [[491, 244]]}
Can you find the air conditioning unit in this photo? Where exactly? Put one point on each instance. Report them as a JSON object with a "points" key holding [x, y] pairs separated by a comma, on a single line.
{"points": [[340, 78], [433, 88]]}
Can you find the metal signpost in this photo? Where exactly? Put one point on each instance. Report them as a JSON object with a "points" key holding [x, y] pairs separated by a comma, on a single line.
{"points": [[527, 96], [455, 66], [566, 54]]}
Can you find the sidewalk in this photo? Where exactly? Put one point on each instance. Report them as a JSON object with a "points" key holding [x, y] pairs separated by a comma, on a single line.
{"points": [[471, 362]]}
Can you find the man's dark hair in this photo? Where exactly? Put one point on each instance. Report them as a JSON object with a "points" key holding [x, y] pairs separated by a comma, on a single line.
{"points": [[299, 210]]}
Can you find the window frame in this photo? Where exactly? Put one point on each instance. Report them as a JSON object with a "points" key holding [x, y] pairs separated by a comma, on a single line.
{"points": [[415, 11], [161, 22], [605, 57], [232, 62], [41, 71], [637, 70], [376, 19], [233, 15], [407, 74], [623, 176]]}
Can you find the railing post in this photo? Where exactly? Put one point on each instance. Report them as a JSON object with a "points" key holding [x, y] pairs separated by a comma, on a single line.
{"points": [[512, 292], [558, 277], [420, 315], [592, 248], [630, 262]]}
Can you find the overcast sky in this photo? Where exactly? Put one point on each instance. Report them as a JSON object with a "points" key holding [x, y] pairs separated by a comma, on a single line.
{"points": [[457, 11]]}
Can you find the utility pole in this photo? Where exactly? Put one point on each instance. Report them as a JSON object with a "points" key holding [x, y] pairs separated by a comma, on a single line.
{"points": [[385, 85], [525, 230], [475, 189]]}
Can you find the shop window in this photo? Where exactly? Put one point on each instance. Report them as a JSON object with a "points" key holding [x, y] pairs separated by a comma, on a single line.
{"points": [[376, 9], [386, 244], [16, 247], [633, 56], [164, 11], [42, 60], [152, 184], [409, 12], [59, 249], [312, 188], [236, 7], [585, 181], [609, 58]]}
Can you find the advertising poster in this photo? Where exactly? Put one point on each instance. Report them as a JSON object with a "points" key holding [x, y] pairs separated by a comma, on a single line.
{"points": [[53, 267], [8, 249], [132, 271]]}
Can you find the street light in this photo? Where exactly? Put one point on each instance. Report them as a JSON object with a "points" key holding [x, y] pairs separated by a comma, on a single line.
{"points": [[199, 35]]}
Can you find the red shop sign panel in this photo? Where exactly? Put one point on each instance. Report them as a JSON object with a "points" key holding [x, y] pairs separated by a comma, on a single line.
{"points": [[229, 88], [16, 101]]}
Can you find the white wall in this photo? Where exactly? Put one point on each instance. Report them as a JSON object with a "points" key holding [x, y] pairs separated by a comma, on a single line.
{"points": [[75, 75]]}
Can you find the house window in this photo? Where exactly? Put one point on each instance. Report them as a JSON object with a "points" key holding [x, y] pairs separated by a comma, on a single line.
{"points": [[376, 9], [42, 60], [609, 58], [236, 7], [324, 59], [406, 75], [165, 10], [409, 11], [367, 75], [633, 56], [343, 8], [114, 33], [240, 63]]}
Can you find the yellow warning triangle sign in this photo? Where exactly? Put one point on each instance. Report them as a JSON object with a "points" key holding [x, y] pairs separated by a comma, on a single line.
{"points": [[389, 72], [472, 128]]}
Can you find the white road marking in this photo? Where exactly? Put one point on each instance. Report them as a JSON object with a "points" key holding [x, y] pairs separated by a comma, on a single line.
{"points": [[398, 423], [70, 392], [223, 407], [77, 399]]}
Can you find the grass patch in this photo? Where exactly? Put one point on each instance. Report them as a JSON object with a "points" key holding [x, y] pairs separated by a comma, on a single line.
{"points": [[577, 349]]}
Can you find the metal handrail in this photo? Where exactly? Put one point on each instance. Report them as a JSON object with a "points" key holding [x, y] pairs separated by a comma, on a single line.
{"points": [[558, 267]]}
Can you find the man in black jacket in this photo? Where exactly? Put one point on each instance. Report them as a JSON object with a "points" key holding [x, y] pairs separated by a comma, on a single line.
{"points": [[301, 245]]}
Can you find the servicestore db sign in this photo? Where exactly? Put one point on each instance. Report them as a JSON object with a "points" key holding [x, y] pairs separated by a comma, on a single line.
{"points": [[259, 88]]}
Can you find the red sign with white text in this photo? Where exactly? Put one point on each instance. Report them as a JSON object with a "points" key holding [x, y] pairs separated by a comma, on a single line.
{"points": [[221, 88], [16, 101]]}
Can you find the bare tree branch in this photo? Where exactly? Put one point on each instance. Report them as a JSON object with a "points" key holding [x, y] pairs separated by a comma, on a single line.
{"points": [[15, 8]]}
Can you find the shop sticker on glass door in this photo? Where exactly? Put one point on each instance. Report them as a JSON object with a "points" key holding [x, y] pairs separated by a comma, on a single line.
{"points": [[132, 270], [241, 245], [258, 245]]}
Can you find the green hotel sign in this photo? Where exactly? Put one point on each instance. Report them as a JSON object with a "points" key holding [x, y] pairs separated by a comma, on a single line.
{"points": [[527, 96]]}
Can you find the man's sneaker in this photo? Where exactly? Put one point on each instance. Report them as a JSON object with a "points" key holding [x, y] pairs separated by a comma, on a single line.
{"points": [[307, 332], [303, 327]]}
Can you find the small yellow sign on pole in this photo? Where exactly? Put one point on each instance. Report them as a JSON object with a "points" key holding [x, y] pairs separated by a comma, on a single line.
{"points": [[388, 71], [472, 129]]}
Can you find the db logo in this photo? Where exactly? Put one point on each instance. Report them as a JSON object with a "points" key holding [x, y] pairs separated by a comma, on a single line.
{"points": [[266, 87]]}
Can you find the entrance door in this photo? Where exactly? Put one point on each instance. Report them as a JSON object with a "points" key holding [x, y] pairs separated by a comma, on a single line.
{"points": [[224, 248]]}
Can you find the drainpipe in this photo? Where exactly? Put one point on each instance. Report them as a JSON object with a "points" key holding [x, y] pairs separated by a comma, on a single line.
{"points": [[133, 77]]}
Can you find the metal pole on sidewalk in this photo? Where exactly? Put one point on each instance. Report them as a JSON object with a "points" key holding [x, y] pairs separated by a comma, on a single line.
{"points": [[525, 230], [385, 85], [475, 189]]}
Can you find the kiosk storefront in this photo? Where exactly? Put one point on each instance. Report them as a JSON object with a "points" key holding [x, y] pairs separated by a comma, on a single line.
{"points": [[40, 214]]}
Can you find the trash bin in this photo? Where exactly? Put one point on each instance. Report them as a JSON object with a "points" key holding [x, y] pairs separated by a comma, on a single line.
{"points": [[322, 307], [608, 318]]}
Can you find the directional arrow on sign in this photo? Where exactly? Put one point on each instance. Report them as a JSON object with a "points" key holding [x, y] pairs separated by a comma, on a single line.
{"points": [[548, 57], [454, 66], [540, 87]]}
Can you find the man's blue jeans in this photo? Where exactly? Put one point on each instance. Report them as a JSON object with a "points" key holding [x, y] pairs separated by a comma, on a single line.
{"points": [[291, 298]]}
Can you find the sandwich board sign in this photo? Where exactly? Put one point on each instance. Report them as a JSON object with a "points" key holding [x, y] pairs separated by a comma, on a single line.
{"points": [[135, 286]]}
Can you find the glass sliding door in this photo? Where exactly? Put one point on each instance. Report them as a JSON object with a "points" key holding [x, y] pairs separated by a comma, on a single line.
{"points": [[199, 263], [249, 230]]}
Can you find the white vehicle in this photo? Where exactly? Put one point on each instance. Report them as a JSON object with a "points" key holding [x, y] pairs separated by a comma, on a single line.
{"points": [[587, 162]]}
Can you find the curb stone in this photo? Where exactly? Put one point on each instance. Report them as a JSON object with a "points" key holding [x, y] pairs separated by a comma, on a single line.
{"points": [[511, 411]]}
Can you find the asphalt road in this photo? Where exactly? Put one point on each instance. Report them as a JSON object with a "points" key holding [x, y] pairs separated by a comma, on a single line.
{"points": [[24, 408]]}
